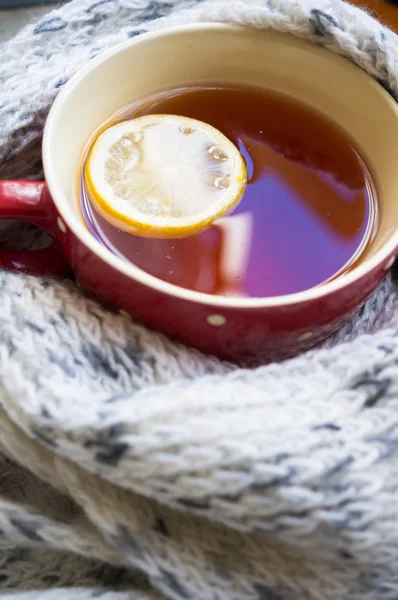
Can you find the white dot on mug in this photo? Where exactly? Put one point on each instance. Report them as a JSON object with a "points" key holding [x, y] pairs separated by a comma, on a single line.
{"points": [[125, 314], [390, 263], [216, 320], [61, 224], [304, 336]]}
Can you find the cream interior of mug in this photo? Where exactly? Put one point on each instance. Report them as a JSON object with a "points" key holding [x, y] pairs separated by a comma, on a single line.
{"points": [[222, 53]]}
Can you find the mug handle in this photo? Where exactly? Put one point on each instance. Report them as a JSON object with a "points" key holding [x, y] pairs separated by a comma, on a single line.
{"points": [[26, 201]]}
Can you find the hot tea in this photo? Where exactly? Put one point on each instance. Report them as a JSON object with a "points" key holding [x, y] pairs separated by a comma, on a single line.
{"points": [[308, 212]]}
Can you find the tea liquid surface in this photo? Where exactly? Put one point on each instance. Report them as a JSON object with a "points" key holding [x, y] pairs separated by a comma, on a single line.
{"points": [[307, 213]]}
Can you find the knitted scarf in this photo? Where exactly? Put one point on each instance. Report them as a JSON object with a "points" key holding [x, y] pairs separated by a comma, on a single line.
{"points": [[136, 468]]}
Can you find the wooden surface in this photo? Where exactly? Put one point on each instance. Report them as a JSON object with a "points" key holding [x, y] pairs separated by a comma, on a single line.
{"points": [[384, 10]]}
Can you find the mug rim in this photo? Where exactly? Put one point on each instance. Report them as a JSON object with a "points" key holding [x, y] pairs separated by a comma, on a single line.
{"points": [[130, 269]]}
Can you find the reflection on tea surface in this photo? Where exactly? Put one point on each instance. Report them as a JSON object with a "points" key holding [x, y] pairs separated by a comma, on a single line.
{"points": [[308, 210]]}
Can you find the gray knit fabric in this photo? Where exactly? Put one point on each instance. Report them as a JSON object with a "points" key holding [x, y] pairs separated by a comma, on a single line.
{"points": [[137, 469]]}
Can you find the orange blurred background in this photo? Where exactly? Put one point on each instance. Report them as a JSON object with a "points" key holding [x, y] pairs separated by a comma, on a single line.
{"points": [[384, 10]]}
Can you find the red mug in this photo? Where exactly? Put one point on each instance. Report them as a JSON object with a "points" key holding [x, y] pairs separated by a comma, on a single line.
{"points": [[230, 327]]}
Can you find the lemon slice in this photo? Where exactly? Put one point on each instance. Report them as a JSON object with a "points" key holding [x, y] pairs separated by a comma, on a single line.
{"points": [[164, 175]]}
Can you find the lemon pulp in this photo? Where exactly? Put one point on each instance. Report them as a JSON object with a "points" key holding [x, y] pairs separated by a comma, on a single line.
{"points": [[164, 175]]}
